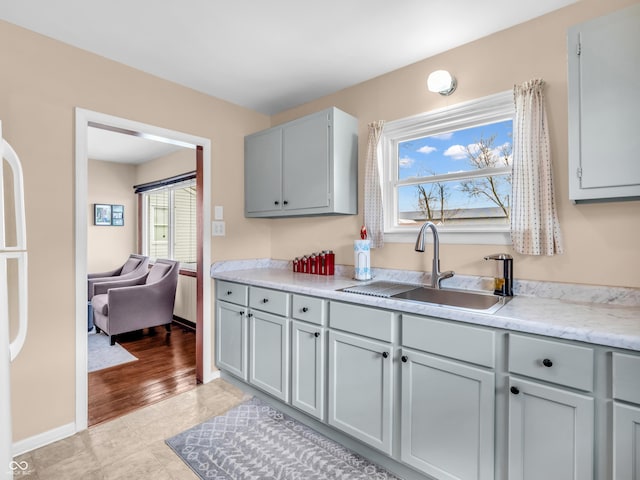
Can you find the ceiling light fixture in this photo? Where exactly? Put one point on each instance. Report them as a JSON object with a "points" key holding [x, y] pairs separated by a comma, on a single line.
{"points": [[441, 82]]}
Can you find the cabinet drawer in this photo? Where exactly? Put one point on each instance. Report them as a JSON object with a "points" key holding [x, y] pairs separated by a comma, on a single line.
{"points": [[462, 342], [232, 292], [271, 301], [626, 377], [552, 361], [366, 321], [309, 309]]}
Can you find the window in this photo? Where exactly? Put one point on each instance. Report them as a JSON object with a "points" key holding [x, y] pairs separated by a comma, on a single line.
{"points": [[169, 220], [452, 167]]}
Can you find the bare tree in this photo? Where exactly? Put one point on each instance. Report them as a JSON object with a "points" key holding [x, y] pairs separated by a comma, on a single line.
{"points": [[433, 201], [483, 155]]}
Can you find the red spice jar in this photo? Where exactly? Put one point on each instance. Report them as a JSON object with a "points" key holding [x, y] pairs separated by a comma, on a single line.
{"points": [[330, 260], [313, 264], [305, 264]]}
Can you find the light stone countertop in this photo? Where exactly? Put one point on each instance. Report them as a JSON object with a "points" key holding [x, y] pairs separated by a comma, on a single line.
{"points": [[598, 315]]}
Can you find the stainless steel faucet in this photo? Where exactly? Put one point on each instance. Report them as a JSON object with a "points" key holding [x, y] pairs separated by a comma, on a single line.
{"points": [[436, 275]]}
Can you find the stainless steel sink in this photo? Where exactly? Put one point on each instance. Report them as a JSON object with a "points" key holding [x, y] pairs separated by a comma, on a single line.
{"points": [[488, 303], [464, 299]]}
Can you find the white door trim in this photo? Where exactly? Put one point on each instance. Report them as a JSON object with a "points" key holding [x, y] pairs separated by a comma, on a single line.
{"points": [[83, 117]]}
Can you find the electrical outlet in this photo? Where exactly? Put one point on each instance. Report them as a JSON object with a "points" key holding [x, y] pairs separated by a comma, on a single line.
{"points": [[217, 228]]}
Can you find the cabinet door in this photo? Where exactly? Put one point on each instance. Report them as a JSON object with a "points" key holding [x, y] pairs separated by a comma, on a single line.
{"points": [[305, 170], [307, 368], [360, 388], [550, 433], [447, 417], [263, 171], [231, 339], [269, 353], [604, 65], [626, 442]]}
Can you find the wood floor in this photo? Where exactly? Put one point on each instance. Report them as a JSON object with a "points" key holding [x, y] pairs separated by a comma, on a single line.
{"points": [[166, 366]]}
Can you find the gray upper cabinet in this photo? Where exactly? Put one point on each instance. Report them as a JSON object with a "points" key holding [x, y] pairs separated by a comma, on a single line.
{"points": [[308, 166], [604, 101], [263, 172]]}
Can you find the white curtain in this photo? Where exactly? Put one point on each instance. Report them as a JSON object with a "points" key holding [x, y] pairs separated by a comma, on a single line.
{"points": [[535, 229], [373, 215]]}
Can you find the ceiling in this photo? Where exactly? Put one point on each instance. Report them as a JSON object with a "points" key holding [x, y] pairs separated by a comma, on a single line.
{"points": [[111, 146], [269, 56]]}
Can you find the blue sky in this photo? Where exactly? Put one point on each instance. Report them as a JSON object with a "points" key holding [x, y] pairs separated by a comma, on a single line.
{"points": [[446, 153]]}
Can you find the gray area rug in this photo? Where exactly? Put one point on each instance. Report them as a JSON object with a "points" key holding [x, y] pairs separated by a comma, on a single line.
{"points": [[101, 355], [254, 441]]}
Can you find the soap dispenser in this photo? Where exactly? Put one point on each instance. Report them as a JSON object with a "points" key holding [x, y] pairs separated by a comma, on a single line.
{"points": [[503, 277]]}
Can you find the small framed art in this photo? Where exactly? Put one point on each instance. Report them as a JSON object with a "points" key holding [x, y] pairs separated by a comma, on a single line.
{"points": [[117, 215], [101, 214]]}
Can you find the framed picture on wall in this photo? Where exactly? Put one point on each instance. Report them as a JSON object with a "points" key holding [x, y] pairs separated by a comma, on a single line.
{"points": [[117, 215], [101, 214]]}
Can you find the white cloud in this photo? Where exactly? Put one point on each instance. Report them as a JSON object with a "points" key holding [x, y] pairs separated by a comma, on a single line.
{"points": [[497, 153], [474, 148], [456, 152], [405, 162], [427, 149], [443, 136]]}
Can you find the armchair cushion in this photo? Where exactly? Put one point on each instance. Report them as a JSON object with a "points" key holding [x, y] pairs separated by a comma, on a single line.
{"points": [[130, 265], [136, 266], [100, 304]]}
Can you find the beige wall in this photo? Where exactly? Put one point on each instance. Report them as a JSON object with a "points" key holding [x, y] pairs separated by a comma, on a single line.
{"points": [[176, 163], [109, 246], [601, 240], [42, 82]]}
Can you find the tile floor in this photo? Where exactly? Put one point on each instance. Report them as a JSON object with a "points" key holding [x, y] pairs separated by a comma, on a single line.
{"points": [[132, 446]]}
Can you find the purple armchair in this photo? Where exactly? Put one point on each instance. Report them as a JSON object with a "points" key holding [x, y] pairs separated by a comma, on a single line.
{"points": [[127, 305], [136, 266]]}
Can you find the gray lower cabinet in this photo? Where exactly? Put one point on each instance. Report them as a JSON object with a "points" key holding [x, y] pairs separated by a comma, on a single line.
{"points": [[231, 338], [550, 433], [308, 346], [447, 420], [626, 442], [360, 389], [626, 416], [269, 353]]}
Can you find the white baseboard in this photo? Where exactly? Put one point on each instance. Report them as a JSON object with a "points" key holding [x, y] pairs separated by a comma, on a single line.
{"points": [[44, 438], [211, 376]]}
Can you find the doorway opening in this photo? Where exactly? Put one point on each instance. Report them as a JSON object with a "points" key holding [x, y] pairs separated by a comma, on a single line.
{"points": [[88, 125]]}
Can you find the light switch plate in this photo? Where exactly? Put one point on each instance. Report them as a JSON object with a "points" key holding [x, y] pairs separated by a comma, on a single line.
{"points": [[217, 228], [218, 212]]}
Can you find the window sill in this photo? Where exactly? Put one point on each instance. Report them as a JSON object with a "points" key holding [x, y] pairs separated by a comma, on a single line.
{"points": [[454, 237]]}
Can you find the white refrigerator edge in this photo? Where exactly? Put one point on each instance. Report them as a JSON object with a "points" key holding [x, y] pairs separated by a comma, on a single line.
{"points": [[15, 251]]}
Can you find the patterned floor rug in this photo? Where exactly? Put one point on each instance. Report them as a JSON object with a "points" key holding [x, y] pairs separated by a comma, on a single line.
{"points": [[102, 355], [254, 441]]}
